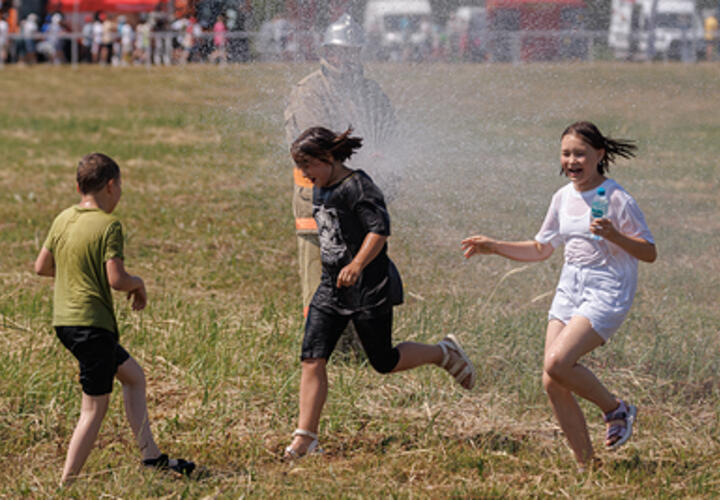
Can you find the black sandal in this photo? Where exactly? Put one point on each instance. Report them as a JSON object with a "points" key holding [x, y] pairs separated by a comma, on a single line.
{"points": [[182, 467]]}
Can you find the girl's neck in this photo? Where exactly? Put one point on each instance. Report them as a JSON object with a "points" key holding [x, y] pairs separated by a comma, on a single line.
{"points": [[339, 172], [589, 184]]}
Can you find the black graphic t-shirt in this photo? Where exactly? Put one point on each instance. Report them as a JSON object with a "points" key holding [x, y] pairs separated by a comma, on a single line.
{"points": [[345, 213]]}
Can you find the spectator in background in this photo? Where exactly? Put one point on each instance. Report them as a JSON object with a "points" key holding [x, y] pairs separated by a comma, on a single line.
{"points": [[13, 27], [219, 55], [28, 30], [86, 39], [108, 38], [188, 38], [127, 38], [711, 35], [240, 46], [51, 46], [178, 28], [273, 37], [97, 35], [196, 49], [4, 37], [142, 40], [161, 45]]}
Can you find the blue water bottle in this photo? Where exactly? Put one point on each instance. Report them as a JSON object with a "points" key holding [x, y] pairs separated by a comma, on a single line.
{"points": [[599, 208]]}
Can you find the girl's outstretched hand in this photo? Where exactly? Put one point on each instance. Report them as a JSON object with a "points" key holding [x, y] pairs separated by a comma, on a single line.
{"points": [[477, 244]]}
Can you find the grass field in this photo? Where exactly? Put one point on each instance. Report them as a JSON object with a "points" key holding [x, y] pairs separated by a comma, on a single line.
{"points": [[206, 208]]}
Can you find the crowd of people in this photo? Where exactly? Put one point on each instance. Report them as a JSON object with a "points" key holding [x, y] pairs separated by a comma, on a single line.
{"points": [[159, 38], [121, 40]]}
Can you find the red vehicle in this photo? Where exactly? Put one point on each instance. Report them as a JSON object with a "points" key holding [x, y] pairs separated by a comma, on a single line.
{"points": [[508, 19]]}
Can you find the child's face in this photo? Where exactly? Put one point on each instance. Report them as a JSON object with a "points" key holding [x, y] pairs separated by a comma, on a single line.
{"points": [[579, 161], [317, 171]]}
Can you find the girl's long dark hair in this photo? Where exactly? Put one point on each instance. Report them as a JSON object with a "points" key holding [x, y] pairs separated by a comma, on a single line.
{"points": [[318, 142], [613, 147]]}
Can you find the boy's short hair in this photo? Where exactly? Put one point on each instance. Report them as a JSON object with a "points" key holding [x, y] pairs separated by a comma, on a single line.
{"points": [[94, 171]]}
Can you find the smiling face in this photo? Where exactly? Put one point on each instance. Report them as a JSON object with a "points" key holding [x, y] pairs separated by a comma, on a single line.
{"points": [[318, 171], [579, 162]]}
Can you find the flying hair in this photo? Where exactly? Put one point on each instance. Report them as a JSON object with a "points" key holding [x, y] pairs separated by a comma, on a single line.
{"points": [[319, 142], [591, 135]]}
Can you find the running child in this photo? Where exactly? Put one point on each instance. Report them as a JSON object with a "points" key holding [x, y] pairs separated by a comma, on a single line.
{"points": [[359, 283], [597, 283], [84, 253]]}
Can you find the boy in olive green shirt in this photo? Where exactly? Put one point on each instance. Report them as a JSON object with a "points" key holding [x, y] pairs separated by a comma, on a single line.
{"points": [[84, 253]]}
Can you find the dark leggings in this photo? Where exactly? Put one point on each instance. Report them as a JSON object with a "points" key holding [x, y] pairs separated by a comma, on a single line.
{"points": [[323, 329]]}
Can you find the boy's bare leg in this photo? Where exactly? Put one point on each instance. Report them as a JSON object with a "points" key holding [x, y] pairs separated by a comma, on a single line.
{"points": [[131, 375], [313, 393], [92, 412], [414, 354]]}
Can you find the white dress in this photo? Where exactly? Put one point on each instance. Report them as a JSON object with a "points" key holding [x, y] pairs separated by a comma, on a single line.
{"points": [[598, 279]]}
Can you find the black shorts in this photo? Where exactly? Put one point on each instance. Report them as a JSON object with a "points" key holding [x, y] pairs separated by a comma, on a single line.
{"points": [[98, 353], [323, 329]]}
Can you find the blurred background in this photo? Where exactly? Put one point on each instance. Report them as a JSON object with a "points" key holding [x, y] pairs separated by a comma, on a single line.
{"points": [[125, 32]]}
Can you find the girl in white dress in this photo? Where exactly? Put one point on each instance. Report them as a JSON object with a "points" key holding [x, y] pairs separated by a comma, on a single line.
{"points": [[597, 283]]}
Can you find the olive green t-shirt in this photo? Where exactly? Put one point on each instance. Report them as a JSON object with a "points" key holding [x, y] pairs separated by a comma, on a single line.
{"points": [[81, 240]]}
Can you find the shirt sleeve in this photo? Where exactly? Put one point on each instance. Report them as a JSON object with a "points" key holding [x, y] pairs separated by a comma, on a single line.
{"points": [[114, 241], [50, 239], [631, 221], [370, 208], [550, 229]]}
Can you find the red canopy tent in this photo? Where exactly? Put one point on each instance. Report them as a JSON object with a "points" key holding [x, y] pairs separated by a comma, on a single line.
{"points": [[125, 6]]}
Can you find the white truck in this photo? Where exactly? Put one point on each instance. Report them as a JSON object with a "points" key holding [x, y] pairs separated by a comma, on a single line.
{"points": [[642, 29], [395, 26]]}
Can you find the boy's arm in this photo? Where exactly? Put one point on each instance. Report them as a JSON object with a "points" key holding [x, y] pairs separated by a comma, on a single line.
{"points": [[371, 247], [119, 279], [45, 263]]}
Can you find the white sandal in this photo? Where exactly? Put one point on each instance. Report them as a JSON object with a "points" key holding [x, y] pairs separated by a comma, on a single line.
{"points": [[313, 447], [462, 368]]}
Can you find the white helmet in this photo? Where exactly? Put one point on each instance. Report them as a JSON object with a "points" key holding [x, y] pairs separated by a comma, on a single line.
{"points": [[344, 33]]}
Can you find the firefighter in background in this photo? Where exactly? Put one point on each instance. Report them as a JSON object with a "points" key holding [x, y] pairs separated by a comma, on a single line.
{"points": [[336, 96]]}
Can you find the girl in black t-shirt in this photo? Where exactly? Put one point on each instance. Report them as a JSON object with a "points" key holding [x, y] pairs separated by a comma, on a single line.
{"points": [[359, 282]]}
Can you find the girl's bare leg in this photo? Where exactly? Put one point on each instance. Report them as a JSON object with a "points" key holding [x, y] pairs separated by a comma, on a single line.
{"points": [[562, 376], [414, 354], [313, 393], [573, 341]]}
